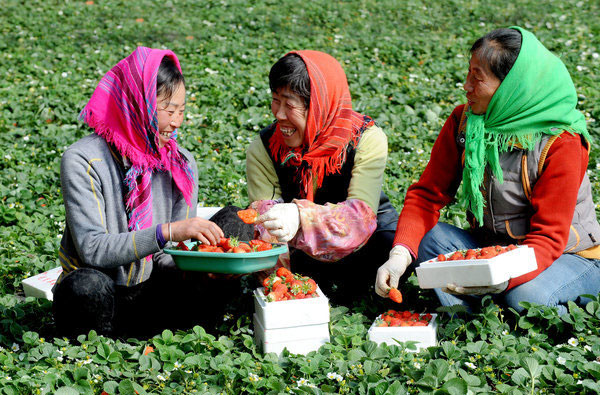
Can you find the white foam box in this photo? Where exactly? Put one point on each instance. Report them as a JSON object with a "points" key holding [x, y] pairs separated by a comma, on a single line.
{"points": [[297, 339], [40, 285], [291, 313], [206, 212], [426, 336], [477, 272]]}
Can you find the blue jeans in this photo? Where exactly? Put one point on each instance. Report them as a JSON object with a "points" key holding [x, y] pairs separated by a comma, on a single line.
{"points": [[565, 280]]}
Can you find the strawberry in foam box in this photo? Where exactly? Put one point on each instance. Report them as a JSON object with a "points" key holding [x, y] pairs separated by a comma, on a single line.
{"points": [[394, 326], [477, 267], [291, 312]]}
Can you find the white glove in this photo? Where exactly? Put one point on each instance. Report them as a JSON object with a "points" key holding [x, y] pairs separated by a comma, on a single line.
{"points": [[388, 274], [492, 289], [282, 221]]}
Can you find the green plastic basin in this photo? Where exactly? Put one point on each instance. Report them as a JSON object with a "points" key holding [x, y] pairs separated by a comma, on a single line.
{"points": [[226, 262]]}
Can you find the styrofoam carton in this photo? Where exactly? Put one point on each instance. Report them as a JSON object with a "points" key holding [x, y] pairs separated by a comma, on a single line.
{"points": [[297, 339], [40, 285], [426, 336], [290, 313], [303, 332], [206, 212], [477, 272]]}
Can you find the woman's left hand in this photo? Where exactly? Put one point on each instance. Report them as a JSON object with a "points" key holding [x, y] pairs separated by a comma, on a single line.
{"points": [[282, 221], [492, 289]]}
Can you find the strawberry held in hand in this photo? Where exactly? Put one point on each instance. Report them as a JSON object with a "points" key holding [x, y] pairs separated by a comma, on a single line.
{"points": [[395, 295], [248, 216]]}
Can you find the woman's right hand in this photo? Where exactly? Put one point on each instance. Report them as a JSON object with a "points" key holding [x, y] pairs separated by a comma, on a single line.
{"points": [[193, 228]]}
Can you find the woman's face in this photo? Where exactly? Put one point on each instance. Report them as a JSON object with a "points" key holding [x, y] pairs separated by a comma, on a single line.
{"points": [[288, 108], [170, 114], [481, 84]]}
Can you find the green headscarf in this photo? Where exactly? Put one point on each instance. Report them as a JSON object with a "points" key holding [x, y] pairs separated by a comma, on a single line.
{"points": [[537, 97]]}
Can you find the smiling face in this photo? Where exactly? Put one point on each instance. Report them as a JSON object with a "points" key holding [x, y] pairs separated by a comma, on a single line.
{"points": [[480, 85], [170, 114], [290, 112]]}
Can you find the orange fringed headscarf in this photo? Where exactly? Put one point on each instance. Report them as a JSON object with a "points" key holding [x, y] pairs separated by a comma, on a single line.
{"points": [[331, 124]]}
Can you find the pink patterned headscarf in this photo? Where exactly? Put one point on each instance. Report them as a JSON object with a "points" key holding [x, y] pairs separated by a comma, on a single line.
{"points": [[123, 111]]}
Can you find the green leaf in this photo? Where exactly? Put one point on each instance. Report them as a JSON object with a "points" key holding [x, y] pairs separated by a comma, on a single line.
{"points": [[167, 336], [438, 368], [66, 391], [532, 366], [126, 388], [110, 387], [81, 373], [356, 355], [525, 323], [471, 380], [381, 388], [520, 377], [593, 369], [396, 388], [30, 338], [371, 367], [114, 356], [455, 386], [145, 362], [92, 336]]}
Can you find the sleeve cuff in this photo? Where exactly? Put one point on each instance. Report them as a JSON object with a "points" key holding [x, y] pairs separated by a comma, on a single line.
{"points": [[160, 239]]}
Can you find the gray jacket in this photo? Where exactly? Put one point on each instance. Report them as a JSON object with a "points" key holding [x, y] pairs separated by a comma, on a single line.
{"points": [[96, 233]]}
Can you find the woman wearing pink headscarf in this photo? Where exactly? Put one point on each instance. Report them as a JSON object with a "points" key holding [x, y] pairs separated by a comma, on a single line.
{"points": [[128, 189]]}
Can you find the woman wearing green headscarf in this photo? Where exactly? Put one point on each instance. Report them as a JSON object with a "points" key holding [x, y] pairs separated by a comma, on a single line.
{"points": [[520, 148]]}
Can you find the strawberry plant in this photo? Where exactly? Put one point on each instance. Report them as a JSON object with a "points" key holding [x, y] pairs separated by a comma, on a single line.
{"points": [[405, 64]]}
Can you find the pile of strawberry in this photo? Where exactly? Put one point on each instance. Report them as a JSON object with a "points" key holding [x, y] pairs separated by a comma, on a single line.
{"points": [[480, 253], [228, 244], [403, 318], [284, 285]]}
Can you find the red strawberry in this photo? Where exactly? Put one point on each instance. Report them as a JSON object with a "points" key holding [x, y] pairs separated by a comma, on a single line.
{"points": [[264, 247], [395, 322], [245, 246], [441, 258], [181, 245], [313, 286], [285, 274], [227, 243], [280, 287], [300, 295], [248, 216], [260, 245], [395, 295], [267, 282], [296, 287]]}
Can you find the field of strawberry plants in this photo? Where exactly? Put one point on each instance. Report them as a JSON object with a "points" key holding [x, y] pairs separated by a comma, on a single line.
{"points": [[405, 61]]}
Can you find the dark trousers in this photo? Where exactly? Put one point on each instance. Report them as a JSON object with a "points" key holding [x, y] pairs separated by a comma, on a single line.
{"points": [[89, 299], [352, 275]]}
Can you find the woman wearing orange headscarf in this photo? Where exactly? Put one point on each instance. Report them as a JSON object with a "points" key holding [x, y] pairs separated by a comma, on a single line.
{"points": [[315, 175]]}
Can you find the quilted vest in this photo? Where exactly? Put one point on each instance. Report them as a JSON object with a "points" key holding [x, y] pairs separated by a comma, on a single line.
{"points": [[508, 208]]}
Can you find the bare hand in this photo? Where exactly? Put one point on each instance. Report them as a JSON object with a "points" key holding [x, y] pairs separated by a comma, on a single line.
{"points": [[193, 228]]}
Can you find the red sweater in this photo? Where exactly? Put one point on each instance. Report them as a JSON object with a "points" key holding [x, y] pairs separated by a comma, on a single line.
{"points": [[553, 198]]}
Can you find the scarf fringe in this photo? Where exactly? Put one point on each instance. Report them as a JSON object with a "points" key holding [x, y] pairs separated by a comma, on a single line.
{"points": [[103, 130]]}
